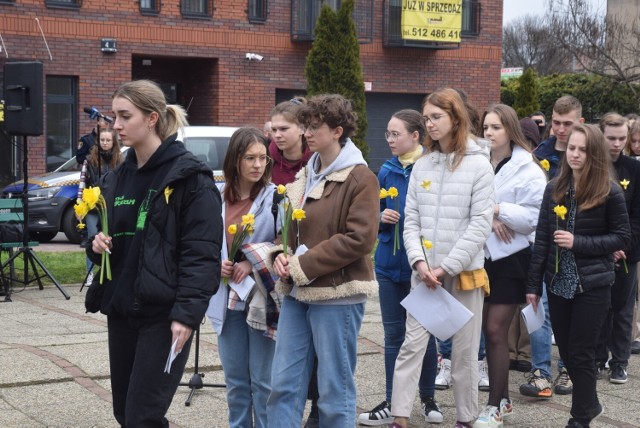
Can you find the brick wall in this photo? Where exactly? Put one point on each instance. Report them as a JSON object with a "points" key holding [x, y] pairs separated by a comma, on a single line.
{"points": [[210, 53]]}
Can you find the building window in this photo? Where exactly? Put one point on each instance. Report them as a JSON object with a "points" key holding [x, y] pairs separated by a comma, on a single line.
{"points": [[67, 4], [257, 10], [61, 124], [195, 8], [149, 7]]}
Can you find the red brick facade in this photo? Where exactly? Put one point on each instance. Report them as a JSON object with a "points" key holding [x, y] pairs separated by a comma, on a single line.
{"points": [[210, 55]]}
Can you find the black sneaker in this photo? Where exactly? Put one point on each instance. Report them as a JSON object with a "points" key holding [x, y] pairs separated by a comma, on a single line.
{"points": [[575, 424], [536, 386], [618, 375], [379, 415], [431, 411], [635, 347]]}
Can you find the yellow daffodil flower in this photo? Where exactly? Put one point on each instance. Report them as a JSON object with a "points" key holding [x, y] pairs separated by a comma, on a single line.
{"points": [[281, 189], [426, 184], [81, 226], [91, 196], [167, 192], [248, 220], [545, 164], [393, 192], [560, 211], [298, 214], [383, 193], [232, 229], [624, 183], [427, 244], [81, 209]]}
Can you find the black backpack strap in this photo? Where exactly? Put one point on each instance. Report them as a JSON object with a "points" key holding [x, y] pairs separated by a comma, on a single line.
{"points": [[277, 197]]}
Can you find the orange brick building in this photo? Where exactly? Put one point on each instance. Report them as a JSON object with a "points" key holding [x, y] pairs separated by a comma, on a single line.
{"points": [[197, 50]]}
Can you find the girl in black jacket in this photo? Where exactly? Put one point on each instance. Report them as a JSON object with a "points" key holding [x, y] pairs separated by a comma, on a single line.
{"points": [[583, 221], [165, 232]]}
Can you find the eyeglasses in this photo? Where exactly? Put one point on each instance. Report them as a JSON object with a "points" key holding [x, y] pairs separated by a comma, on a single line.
{"points": [[433, 119], [393, 136], [312, 129], [251, 160]]}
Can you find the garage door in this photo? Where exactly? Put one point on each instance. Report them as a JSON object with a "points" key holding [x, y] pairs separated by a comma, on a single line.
{"points": [[380, 107]]}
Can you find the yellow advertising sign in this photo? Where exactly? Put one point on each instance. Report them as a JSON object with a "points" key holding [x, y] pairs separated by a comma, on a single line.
{"points": [[433, 21]]}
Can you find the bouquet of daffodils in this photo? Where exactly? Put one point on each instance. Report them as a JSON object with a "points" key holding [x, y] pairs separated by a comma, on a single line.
{"points": [[289, 214], [92, 199]]}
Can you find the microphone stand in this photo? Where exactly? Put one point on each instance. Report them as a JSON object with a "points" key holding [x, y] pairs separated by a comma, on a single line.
{"points": [[196, 380]]}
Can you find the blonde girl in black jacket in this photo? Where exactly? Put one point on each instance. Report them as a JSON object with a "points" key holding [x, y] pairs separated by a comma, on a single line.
{"points": [[574, 257]]}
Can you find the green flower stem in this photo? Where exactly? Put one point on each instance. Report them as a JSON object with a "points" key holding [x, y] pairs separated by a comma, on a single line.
{"points": [[557, 246]]}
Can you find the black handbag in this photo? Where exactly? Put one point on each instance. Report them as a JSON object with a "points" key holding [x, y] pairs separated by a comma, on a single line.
{"points": [[95, 293]]}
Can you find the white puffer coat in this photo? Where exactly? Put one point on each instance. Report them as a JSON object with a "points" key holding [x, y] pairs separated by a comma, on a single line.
{"points": [[452, 209]]}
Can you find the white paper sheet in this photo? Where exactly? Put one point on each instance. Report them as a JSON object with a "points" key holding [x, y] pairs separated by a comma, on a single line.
{"points": [[436, 310], [172, 356], [244, 288], [499, 250], [533, 320]]}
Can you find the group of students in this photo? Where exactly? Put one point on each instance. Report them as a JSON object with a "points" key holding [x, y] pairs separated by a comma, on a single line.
{"points": [[477, 202]]}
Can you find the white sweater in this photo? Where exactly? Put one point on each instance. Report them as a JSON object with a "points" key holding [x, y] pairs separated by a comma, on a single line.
{"points": [[452, 209]]}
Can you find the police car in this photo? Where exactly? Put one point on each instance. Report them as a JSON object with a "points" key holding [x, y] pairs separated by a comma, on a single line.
{"points": [[52, 195]]}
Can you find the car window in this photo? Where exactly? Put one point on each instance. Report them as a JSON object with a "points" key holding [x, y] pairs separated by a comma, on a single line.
{"points": [[210, 150], [70, 165]]}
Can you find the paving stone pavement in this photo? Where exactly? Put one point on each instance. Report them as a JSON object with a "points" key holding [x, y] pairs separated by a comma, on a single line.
{"points": [[54, 372]]}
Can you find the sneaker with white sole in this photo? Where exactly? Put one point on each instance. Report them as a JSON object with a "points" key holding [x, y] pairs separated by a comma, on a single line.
{"points": [[536, 386], [379, 415], [431, 411], [506, 408], [443, 379], [489, 417], [483, 376]]}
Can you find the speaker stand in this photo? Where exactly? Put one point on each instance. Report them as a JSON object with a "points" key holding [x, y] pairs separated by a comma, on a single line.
{"points": [[29, 257], [196, 380]]}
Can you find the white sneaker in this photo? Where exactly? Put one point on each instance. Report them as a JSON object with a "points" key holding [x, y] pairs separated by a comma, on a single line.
{"points": [[431, 411], [443, 380], [506, 408], [89, 279], [489, 417], [483, 376]]}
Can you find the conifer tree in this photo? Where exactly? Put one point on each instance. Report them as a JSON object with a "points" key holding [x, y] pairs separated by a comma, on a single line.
{"points": [[526, 96], [333, 64]]}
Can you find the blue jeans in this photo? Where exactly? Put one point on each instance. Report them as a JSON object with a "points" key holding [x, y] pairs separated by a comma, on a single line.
{"points": [[541, 342], [394, 318], [444, 346], [331, 332], [246, 356]]}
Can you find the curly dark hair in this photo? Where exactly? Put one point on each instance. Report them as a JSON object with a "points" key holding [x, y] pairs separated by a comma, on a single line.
{"points": [[332, 109]]}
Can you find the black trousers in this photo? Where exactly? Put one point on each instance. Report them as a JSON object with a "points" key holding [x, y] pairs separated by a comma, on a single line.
{"points": [[574, 322], [615, 335], [138, 351]]}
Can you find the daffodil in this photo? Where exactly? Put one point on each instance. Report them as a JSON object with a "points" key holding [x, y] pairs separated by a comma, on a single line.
{"points": [[560, 211], [393, 192], [248, 220], [92, 199], [81, 209], [624, 183], [545, 165], [426, 245], [81, 226], [383, 193], [91, 196], [298, 214], [281, 189], [232, 229], [167, 192], [426, 184]]}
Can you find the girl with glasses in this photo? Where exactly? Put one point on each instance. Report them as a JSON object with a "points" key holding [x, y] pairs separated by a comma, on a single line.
{"points": [[450, 204], [405, 134], [245, 324], [327, 274]]}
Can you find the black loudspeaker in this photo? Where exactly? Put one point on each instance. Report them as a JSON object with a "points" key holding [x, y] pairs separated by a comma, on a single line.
{"points": [[23, 98]]}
